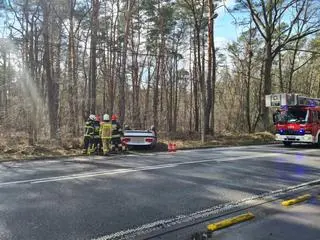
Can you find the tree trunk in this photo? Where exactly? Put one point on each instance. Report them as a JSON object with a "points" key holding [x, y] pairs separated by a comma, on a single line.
{"points": [[169, 94], [202, 85], [248, 82], [292, 66], [156, 87], [47, 57], [136, 77], [71, 72], [57, 76], [191, 78], [267, 82], [210, 68], [176, 89], [87, 85], [122, 102], [214, 77], [146, 111], [195, 85], [4, 99], [93, 56]]}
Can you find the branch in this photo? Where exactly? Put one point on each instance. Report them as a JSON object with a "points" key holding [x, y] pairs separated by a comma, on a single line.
{"points": [[81, 19], [292, 24], [18, 30], [61, 19], [302, 50], [293, 38], [264, 11], [19, 20], [255, 17], [297, 68], [284, 10]]}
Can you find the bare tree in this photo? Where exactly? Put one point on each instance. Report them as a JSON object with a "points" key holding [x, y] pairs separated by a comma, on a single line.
{"points": [[266, 14], [93, 56]]}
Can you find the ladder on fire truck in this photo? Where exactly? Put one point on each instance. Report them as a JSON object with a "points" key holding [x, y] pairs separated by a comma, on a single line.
{"points": [[290, 99]]}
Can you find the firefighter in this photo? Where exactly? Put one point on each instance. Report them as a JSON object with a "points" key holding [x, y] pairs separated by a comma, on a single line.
{"points": [[153, 129], [126, 127], [96, 136], [116, 133], [105, 133], [98, 118], [88, 133]]}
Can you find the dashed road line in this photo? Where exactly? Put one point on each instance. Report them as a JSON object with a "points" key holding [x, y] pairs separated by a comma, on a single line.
{"points": [[162, 225]]}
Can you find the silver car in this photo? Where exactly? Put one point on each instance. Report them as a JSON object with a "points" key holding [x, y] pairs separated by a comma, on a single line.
{"points": [[142, 138]]}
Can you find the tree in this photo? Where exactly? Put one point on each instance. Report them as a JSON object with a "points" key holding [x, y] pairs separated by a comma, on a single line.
{"points": [[245, 57], [52, 85], [266, 15], [93, 56], [127, 17], [197, 10]]}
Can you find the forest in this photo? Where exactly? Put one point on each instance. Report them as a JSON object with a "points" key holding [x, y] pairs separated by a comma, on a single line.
{"points": [[152, 62]]}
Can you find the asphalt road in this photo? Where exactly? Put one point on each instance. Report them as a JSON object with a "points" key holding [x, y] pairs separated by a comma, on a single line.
{"points": [[87, 198]]}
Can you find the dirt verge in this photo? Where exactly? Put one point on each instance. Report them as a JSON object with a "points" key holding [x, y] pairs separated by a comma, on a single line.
{"points": [[18, 149]]}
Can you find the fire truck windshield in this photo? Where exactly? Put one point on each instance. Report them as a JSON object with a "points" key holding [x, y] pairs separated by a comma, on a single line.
{"points": [[291, 116]]}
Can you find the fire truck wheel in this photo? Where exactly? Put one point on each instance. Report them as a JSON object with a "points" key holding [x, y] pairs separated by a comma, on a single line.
{"points": [[287, 144]]}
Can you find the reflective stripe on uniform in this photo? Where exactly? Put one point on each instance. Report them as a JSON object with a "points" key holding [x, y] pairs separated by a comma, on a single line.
{"points": [[105, 130], [88, 131]]}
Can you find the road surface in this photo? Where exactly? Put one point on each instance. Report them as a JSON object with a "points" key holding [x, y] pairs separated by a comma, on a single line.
{"points": [[97, 197]]}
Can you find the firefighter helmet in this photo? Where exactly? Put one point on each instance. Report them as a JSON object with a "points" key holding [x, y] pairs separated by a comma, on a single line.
{"points": [[106, 117], [114, 117], [92, 117]]}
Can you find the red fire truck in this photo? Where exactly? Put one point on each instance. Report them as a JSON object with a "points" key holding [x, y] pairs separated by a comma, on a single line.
{"points": [[296, 118]]}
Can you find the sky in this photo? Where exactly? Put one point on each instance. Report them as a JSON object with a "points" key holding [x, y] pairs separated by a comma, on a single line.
{"points": [[225, 29]]}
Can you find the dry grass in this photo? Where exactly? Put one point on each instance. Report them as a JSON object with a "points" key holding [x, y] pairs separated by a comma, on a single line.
{"points": [[227, 139], [16, 146], [193, 140]]}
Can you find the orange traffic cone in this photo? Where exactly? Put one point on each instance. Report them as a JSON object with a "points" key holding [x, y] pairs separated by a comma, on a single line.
{"points": [[174, 147], [169, 147]]}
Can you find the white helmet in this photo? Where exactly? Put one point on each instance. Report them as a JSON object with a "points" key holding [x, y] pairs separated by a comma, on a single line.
{"points": [[106, 117], [92, 117]]}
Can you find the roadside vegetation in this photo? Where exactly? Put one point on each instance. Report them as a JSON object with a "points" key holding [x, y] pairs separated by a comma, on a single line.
{"points": [[17, 147]]}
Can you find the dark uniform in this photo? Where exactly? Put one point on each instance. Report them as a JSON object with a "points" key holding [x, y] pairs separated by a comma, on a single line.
{"points": [[96, 137], [116, 135], [91, 137], [88, 133]]}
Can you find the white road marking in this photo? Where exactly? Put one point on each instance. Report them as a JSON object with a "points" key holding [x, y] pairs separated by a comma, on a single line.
{"points": [[233, 149], [133, 233], [310, 150], [131, 170]]}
